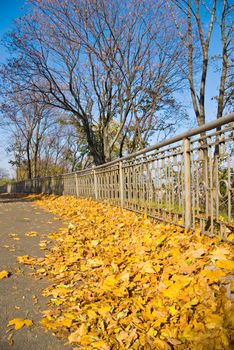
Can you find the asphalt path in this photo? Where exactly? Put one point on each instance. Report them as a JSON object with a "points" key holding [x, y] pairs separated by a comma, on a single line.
{"points": [[20, 293]]}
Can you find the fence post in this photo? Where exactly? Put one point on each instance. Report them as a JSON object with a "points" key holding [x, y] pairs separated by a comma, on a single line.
{"points": [[52, 185], [63, 184], [121, 192], [9, 188], [187, 186], [77, 187], [95, 184]]}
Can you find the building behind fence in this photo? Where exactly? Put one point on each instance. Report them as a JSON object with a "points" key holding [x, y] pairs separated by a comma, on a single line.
{"points": [[187, 180]]}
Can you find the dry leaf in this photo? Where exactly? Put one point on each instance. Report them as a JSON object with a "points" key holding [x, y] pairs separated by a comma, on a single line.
{"points": [[226, 264], [27, 260], [10, 339], [220, 253], [31, 234], [4, 274], [18, 323]]}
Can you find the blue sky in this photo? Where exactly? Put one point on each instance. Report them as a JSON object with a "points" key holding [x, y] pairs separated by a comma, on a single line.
{"points": [[11, 9]]}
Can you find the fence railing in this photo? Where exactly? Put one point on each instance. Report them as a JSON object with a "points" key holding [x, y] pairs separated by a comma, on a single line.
{"points": [[187, 180]]}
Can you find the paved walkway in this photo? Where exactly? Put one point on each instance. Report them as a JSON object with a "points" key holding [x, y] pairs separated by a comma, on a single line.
{"points": [[20, 294]]}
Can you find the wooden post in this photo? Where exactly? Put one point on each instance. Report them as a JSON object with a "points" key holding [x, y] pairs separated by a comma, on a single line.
{"points": [[187, 186], [121, 189]]}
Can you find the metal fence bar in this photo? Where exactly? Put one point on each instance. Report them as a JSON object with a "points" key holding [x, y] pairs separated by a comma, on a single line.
{"points": [[187, 180], [77, 185], [121, 185], [95, 184], [187, 186]]}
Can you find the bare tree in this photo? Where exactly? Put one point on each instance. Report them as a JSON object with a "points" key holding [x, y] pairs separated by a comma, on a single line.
{"points": [[110, 64], [226, 86], [201, 18]]}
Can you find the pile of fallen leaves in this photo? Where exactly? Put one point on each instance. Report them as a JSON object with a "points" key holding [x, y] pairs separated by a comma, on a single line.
{"points": [[123, 282]]}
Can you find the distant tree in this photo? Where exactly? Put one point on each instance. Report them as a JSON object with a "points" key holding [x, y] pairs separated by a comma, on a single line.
{"points": [[29, 121], [4, 174], [4, 177]]}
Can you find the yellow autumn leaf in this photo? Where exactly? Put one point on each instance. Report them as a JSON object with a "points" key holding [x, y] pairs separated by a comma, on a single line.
{"points": [[225, 264], [230, 237], [18, 323], [3, 274], [173, 311], [110, 281], [83, 267], [152, 332], [160, 344], [48, 324], [220, 253], [104, 309], [197, 253], [79, 336], [101, 344], [26, 259], [173, 291], [66, 322], [31, 234], [147, 268], [42, 270], [95, 242], [57, 302], [231, 320], [92, 314], [214, 321], [120, 292], [28, 323], [213, 275], [95, 262], [69, 315]]}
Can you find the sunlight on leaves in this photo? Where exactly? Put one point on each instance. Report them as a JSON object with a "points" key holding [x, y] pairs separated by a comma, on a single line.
{"points": [[119, 281]]}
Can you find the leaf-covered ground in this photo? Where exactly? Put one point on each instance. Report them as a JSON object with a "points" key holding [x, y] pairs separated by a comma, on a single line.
{"points": [[120, 281]]}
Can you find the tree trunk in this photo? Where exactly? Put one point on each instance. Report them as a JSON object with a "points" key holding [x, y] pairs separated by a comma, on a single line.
{"points": [[96, 147], [29, 165]]}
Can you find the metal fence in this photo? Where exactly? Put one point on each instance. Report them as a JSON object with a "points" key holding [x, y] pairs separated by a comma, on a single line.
{"points": [[187, 180]]}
